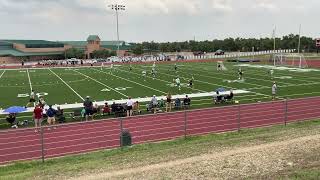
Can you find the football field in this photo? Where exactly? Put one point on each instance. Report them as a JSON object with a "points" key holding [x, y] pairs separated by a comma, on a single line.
{"points": [[72, 85]]}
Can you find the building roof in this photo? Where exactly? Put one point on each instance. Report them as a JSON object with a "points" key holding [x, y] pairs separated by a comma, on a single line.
{"points": [[113, 45], [93, 38], [16, 53], [36, 43]]}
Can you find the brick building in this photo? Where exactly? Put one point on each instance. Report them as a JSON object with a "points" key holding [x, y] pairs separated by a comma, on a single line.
{"points": [[14, 51]]}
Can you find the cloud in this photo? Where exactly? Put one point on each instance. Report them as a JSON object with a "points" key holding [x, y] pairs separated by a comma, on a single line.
{"points": [[160, 20]]}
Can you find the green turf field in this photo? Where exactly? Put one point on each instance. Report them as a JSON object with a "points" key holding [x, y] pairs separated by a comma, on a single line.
{"points": [[63, 85]]}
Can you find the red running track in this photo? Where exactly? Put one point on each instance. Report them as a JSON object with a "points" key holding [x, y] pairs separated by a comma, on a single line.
{"points": [[75, 138]]}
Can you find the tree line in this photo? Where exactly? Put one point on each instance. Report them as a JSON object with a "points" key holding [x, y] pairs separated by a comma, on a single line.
{"points": [[229, 44]]}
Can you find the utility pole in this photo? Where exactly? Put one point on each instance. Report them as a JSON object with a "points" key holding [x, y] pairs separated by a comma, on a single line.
{"points": [[117, 7], [299, 39]]}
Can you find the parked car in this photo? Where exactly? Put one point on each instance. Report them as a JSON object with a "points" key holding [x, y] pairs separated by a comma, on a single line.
{"points": [[219, 52], [198, 53]]}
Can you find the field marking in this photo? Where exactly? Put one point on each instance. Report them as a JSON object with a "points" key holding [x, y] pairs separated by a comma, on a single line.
{"points": [[296, 85], [258, 85], [101, 83], [29, 80], [279, 71], [66, 84], [132, 82], [204, 82], [159, 80], [246, 77], [2, 74]]}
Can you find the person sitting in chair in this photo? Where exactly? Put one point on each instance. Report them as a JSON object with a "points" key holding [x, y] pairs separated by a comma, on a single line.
{"points": [[219, 98], [177, 104], [60, 116], [11, 118], [136, 107], [230, 96], [106, 109]]}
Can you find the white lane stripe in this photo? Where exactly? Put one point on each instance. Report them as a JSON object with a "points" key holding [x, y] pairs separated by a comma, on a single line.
{"points": [[66, 84], [160, 80], [132, 82], [101, 83], [2, 74]]}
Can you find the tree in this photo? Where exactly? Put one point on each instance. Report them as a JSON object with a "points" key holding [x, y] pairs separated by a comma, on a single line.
{"points": [[74, 53], [101, 53], [137, 50]]}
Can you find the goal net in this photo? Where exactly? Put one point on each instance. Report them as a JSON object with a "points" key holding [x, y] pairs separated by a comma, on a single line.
{"points": [[220, 66], [294, 60]]}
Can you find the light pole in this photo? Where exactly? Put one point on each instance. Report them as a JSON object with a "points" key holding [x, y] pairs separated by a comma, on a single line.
{"points": [[117, 8]]}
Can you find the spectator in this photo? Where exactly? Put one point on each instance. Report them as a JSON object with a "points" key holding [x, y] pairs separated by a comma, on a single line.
{"points": [[114, 107], [136, 107], [11, 118], [161, 103], [42, 102], [230, 96], [96, 110], [88, 106], [169, 102], [154, 104], [60, 115], [106, 109], [186, 102], [177, 103], [51, 116], [37, 116], [129, 107]]}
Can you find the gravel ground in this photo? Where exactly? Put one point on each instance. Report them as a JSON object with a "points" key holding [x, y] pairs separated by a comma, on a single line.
{"points": [[256, 161]]}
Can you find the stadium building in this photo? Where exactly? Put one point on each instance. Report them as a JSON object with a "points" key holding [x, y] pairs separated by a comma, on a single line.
{"points": [[14, 51]]}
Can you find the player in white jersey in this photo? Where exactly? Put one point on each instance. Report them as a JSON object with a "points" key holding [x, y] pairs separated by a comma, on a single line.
{"points": [[102, 66], [178, 83], [271, 72], [274, 89], [144, 74], [154, 65], [153, 72], [111, 68]]}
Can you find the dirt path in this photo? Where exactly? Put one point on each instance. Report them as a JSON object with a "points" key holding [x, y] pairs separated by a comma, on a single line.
{"points": [[241, 162]]}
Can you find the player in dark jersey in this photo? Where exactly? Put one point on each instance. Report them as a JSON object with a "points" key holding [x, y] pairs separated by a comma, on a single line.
{"points": [[240, 72], [175, 67]]}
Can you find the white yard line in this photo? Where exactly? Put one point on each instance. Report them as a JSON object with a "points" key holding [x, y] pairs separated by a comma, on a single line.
{"points": [[66, 84], [160, 80], [203, 82], [258, 85], [2, 74], [305, 84], [270, 81], [101, 83], [29, 80], [132, 82]]}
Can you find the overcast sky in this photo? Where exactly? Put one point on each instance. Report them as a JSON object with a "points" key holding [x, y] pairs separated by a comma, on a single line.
{"points": [[158, 20]]}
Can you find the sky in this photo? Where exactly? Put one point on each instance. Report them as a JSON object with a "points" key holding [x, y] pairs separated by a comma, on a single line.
{"points": [[157, 20]]}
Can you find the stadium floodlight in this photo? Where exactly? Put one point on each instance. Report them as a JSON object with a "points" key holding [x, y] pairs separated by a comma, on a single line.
{"points": [[117, 7]]}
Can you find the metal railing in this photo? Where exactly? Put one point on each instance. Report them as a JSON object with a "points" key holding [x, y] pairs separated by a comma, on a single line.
{"points": [[75, 138]]}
